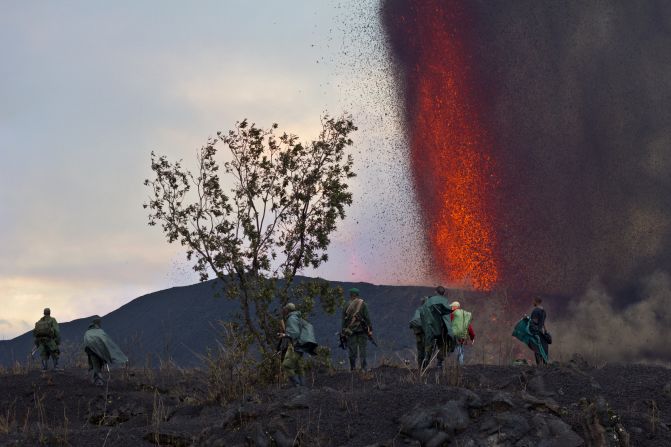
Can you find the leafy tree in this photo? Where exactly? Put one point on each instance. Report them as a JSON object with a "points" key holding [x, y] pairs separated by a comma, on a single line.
{"points": [[262, 219]]}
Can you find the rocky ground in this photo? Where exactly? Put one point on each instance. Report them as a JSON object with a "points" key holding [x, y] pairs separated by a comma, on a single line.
{"points": [[565, 405]]}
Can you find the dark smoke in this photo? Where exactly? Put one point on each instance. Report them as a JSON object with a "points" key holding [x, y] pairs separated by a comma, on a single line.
{"points": [[576, 97]]}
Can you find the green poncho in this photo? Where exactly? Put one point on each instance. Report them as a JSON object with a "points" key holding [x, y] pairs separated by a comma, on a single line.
{"points": [[416, 322], [435, 316], [523, 334], [102, 345], [301, 332]]}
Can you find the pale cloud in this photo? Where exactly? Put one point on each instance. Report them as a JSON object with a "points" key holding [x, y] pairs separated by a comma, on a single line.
{"points": [[24, 298], [89, 91], [69, 297], [240, 88]]}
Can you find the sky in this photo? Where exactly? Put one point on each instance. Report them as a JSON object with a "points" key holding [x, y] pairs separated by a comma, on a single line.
{"points": [[89, 89]]}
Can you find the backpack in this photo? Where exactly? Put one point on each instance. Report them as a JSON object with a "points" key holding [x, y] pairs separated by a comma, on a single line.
{"points": [[43, 329], [460, 323], [353, 310]]}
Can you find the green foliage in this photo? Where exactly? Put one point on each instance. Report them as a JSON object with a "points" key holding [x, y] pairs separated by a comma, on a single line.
{"points": [[261, 217]]}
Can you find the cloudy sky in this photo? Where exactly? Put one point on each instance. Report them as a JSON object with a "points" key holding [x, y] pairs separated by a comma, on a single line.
{"points": [[89, 89]]}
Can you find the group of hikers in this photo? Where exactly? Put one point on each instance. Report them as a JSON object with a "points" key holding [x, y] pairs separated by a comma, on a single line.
{"points": [[440, 327], [100, 349]]}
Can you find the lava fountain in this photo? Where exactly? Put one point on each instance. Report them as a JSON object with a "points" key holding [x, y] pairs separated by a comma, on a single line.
{"points": [[453, 172]]}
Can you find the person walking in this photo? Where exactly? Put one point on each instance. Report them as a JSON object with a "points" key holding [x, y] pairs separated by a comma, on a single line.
{"points": [[531, 331], [301, 337], [416, 326], [462, 329], [437, 327], [100, 350], [356, 328], [537, 329], [47, 338]]}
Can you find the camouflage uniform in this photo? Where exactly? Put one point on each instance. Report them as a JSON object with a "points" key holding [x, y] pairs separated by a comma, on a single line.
{"points": [[293, 366], [48, 346], [356, 326]]}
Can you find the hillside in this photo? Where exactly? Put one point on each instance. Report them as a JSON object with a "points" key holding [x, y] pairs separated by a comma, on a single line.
{"points": [[179, 323]]}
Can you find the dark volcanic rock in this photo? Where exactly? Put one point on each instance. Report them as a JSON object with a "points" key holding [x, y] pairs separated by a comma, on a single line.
{"points": [[343, 409], [425, 424]]}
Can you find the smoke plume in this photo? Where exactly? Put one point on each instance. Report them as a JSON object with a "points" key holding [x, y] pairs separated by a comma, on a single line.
{"points": [[601, 330], [573, 102]]}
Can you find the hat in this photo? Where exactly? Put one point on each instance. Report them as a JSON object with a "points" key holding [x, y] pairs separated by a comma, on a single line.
{"points": [[455, 304], [354, 291], [47, 311], [290, 307], [97, 321]]}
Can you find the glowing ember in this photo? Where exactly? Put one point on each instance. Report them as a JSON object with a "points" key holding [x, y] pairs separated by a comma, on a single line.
{"points": [[453, 174]]}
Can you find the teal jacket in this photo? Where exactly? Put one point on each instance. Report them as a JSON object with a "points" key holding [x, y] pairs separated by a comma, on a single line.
{"points": [[301, 333]]}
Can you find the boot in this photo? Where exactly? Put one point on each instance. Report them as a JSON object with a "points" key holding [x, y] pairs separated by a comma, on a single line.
{"points": [[352, 364], [301, 379], [55, 361], [296, 380], [45, 364], [364, 365]]}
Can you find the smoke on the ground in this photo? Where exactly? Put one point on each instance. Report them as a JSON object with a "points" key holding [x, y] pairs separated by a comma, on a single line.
{"points": [[602, 330]]}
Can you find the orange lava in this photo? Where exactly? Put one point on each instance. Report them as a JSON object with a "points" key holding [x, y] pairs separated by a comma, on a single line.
{"points": [[454, 175]]}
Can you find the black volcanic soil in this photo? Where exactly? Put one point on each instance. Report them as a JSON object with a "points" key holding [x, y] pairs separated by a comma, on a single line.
{"points": [[561, 405]]}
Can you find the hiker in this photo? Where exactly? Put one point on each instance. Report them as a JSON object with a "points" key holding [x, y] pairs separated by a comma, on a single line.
{"points": [[416, 326], [537, 328], [437, 327], [101, 350], [356, 329], [530, 330], [461, 328], [301, 337], [47, 338]]}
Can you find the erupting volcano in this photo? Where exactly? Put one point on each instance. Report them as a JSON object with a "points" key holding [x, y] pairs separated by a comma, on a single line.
{"points": [[454, 175], [538, 138]]}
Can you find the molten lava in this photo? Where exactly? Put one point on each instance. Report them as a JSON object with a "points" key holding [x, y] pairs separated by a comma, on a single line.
{"points": [[453, 174]]}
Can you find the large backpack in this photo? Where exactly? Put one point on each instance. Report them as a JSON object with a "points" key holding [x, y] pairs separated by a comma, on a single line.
{"points": [[43, 329], [460, 323]]}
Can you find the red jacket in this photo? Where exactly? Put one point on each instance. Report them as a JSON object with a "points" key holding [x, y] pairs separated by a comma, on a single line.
{"points": [[471, 332]]}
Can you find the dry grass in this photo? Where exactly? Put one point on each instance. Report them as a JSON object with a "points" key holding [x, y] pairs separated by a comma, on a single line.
{"points": [[8, 419], [231, 370]]}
